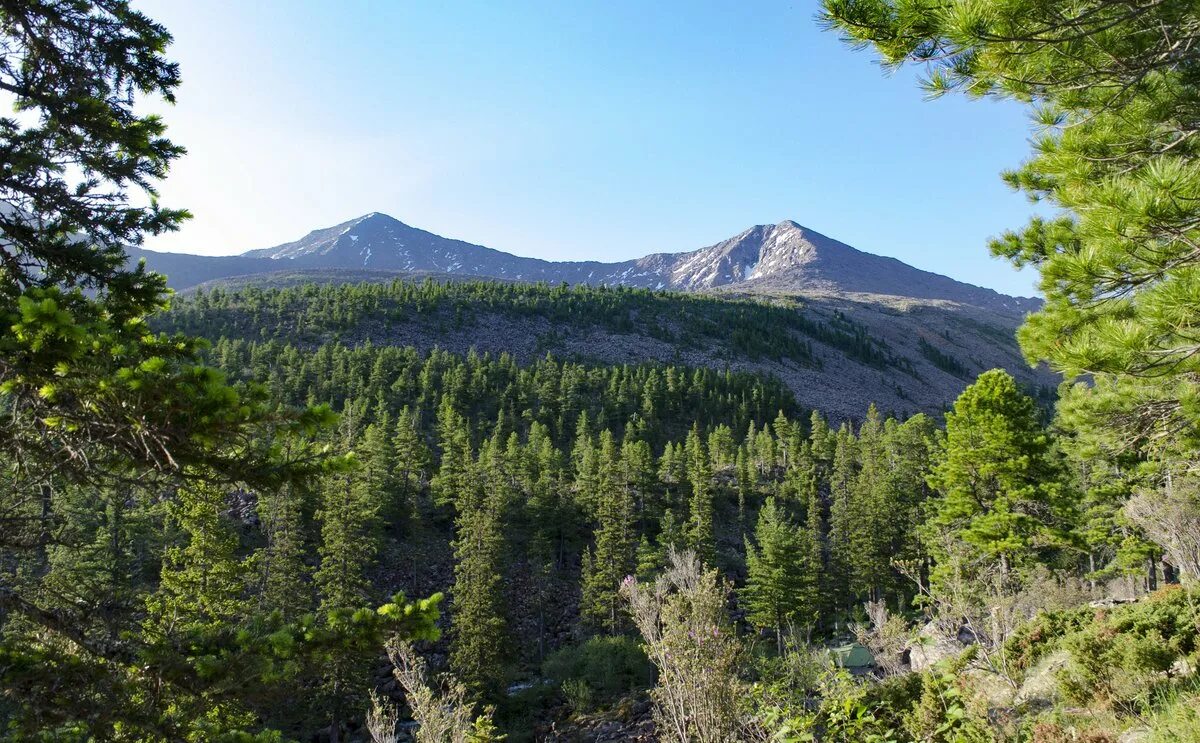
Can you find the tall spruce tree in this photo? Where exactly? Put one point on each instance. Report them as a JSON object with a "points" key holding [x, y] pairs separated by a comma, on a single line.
{"points": [[700, 512], [478, 646], [781, 581], [410, 467], [613, 556], [842, 521], [454, 476], [284, 585], [348, 516], [204, 579], [871, 511]]}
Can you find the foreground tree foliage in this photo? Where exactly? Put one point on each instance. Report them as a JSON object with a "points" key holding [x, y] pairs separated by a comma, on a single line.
{"points": [[1113, 87], [999, 482], [105, 422]]}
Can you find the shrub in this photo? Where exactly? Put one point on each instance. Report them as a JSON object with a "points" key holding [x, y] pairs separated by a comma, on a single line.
{"points": [[578, 694], [682, 618], [1041, 635], [944, 714], [609, 666], [442, 711], [1122, 657]]}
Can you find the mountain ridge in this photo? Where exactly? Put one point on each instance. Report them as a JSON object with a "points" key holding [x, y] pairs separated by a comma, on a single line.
{"points": [[784, 257]]}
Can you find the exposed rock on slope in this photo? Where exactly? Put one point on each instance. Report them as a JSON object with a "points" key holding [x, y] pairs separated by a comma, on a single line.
{"points": [[905, 355], [785, 257]]}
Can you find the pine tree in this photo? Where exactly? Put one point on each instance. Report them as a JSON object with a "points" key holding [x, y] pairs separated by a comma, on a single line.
{"points": [[1116, 162], [204, 580], [781, 583], [285, 587], [823, 440], [784, 432], [101, 407], [909, 451], [349, 521], [94, 565], [817, 537], [477, 646], [586, 459], [411, 464], [747, 482], [453, 478], [700, 512], [613, 556], [638, 476], [554, 514], [999, 482], [378, 458], [721, 448], [842, 524], [870, 511]]}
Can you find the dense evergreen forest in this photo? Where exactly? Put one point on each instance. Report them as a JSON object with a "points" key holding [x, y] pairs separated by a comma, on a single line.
{"points": [[312, 313], [239, 519]]}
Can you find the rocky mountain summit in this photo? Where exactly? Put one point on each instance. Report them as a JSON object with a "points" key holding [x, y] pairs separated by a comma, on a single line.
{"points": [[784, 257]]}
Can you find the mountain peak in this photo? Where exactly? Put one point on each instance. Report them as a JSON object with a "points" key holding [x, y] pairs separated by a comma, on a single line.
{"points": [[785, 257]]}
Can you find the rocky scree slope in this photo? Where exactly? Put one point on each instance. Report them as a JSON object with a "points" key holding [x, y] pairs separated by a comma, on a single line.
{"points": [[836, 353]]}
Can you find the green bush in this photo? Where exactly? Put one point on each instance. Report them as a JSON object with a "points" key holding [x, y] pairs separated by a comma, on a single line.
{"points": [[610, 666], [1123, 656], [1040, 636], [578, 694]]}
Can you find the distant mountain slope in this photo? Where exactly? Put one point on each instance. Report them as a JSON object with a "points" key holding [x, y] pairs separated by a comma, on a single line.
{"points": [[836, 353], [773, 258], [184, 270]]}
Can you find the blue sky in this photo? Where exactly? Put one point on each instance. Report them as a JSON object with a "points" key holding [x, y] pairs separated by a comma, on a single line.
{"points": [[575, 130]]}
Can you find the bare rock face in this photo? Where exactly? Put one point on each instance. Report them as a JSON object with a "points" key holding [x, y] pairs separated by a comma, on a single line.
{"points": [[1040, 687], [935, 643]]}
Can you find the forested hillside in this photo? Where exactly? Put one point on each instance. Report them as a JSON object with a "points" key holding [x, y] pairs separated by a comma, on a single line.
{"points": [[467, 512], [832, 353]]}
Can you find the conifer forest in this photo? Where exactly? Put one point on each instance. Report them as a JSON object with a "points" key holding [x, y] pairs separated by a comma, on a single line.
{"points": [[262, 513]]}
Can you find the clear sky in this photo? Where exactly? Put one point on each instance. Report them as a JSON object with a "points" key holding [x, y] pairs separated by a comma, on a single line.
{"points": [[575, 130]]}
